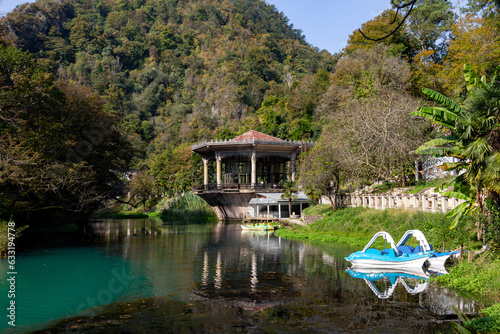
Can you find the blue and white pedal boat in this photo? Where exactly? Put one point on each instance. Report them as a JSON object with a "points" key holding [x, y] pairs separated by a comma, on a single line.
{"points": [[436, 259], [388, 257]]}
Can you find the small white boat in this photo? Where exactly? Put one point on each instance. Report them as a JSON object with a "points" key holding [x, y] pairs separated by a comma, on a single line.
{"points": [[388, 257]]}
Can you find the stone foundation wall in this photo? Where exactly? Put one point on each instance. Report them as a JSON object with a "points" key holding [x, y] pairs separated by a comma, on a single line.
{"points": [[228, 205], [311, 219]]}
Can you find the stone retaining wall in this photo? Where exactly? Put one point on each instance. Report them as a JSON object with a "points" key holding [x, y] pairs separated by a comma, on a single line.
{"points": [[311, 219]]}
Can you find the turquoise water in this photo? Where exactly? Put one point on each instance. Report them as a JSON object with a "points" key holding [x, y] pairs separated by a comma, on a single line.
{"points": [[138, 258], [62, 282]]}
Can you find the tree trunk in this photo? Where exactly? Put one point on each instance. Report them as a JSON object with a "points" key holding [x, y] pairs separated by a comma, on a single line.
{"points": [[403, 174], [333, 199], [290, 207], [481, 229]]}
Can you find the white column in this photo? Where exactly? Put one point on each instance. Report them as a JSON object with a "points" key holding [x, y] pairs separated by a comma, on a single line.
{"points": [[444, 203], [205, 172], [218, 158], [424, 203], [279, 210], [254, 169], [294, 156], [434, 203]]}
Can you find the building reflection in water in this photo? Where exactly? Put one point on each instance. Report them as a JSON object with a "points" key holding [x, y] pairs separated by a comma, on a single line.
{"points": [[254, 280], [204, 278]]}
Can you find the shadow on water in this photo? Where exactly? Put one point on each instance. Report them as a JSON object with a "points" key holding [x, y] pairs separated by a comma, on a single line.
{"points": [[144, 276]]}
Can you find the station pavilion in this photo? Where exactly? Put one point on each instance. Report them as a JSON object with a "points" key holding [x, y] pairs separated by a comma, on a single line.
{"points": [[250, 172]]}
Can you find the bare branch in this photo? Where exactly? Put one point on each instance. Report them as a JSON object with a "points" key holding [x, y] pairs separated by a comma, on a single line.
{"points": [[398, 8]]}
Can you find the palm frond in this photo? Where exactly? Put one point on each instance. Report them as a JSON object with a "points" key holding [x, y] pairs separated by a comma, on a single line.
{"points": [[472, 79], [478, 150], [450, 166], [454, 194], [448, 145], [439, 115], [491, 173], [444, 101], [459, 211]]}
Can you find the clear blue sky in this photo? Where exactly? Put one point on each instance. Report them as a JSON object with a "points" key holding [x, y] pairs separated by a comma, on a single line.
{"points": [[326, 24]]}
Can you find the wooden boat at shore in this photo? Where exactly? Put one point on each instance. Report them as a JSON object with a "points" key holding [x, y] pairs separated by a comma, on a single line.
{"points": [[387, 257]]}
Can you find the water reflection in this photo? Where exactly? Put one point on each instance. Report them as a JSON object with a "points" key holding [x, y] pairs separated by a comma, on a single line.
{"points": [[384, 283], [389, 279]]}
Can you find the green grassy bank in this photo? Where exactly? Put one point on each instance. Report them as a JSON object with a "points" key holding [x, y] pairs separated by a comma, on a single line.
{"points": [[356, 226], [188, 207]]}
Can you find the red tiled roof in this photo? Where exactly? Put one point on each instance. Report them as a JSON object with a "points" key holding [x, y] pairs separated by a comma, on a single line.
{"points": [[255, 135]]}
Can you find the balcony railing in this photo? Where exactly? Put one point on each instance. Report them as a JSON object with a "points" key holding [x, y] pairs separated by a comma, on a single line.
{"points": [[239, 186]]}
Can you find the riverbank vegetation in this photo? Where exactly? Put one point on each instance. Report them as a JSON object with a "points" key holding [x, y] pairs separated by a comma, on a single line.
{"points": [[186, 206], [356, 226]]}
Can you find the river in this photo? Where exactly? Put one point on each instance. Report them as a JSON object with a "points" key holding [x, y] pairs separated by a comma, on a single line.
{"points": [[130, 259]]}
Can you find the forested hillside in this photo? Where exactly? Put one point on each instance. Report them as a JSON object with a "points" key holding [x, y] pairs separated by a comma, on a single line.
{"points": [[177, 72]]}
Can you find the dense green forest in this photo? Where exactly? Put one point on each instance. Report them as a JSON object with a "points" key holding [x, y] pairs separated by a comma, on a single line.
{"points": [[94, 88]]}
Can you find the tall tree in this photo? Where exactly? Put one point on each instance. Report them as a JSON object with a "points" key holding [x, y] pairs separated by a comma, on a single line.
{"points": [[325, 169], [380, 26], [368, 107], [483, 8], [57, 146], [362, 75], [379, 135], [475, 42], [429, 24], [290, 193]]}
